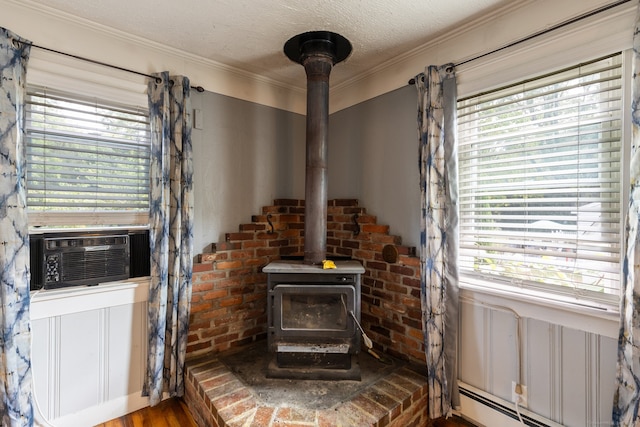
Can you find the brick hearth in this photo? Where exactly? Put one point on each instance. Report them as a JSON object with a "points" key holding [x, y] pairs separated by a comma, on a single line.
{"points": [[228, 311], [217, 397]]}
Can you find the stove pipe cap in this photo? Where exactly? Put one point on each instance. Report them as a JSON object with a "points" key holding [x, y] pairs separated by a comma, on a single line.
{"points": [[333, 45]]}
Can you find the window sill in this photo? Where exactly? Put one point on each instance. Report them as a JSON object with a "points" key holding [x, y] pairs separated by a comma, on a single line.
{"points": [[58, 302], [601, 321]]}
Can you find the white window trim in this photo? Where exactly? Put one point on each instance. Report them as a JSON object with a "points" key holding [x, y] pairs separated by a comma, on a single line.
{"points": [[532, 305], [73, 75], [604, 320], [128, 220], [597, 36], [84, 78]]}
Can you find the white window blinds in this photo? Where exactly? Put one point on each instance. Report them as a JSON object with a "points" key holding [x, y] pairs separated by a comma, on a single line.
{"points": [[86, 156], [540, 179]]}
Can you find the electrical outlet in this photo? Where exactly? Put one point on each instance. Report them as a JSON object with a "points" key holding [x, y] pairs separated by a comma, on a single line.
{"points": [[523, 396]]}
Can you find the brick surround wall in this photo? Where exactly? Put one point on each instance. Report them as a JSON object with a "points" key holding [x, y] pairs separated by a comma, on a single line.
{"points": [[229, 298]]}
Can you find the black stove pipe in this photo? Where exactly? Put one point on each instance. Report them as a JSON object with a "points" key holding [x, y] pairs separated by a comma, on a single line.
{"points": [[318, 52]]}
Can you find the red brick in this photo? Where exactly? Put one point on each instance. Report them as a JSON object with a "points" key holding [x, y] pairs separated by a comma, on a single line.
{"points": [[201, 287], [217, 380], [227, 400], [227, 246], [197, 268], [196, 308], [374, 228], [194, 325], [405, 341], [351, 415], [368, 405], [290, 233], [371, 246], [220, 293], [214, 332], [344, 251], [410, 302], [410, 262], [267, 252], [392, 326], [227, 265], [227, 283], [412, 282], [267, 236], [252, 244], [211, 314], [332, 242], [389, 277], [397, 308], [385, 238], [327, 418], [415, 332], [228, 302], [406, 271], [392, 287], [225, 338], [376, 265], [414, 313], [262, 417], [232, 237], [207, 258], [194, 348], [242, 254], [208, 276]]}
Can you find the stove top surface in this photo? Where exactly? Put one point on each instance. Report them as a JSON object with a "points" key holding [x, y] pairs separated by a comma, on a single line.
{"points": [[293, 266]]}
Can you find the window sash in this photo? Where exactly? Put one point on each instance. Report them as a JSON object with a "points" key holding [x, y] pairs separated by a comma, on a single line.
{"points": [[86, 156], [540, 182]]}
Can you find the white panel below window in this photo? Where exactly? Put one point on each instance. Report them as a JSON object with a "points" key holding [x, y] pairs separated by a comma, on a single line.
{"points": [[89, 352]]}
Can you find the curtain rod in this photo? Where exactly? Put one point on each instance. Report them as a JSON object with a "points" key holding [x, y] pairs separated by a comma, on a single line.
{"points": [[104, 64], [540, 33]]}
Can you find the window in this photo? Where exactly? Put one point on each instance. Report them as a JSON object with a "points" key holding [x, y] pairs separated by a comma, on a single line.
{"points": [[87, 160], [540, 183]]}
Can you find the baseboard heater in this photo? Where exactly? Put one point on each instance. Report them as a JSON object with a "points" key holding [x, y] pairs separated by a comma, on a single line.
{"points": [[485, 403]]}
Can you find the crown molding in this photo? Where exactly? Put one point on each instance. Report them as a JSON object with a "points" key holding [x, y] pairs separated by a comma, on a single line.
{"points": [[511, 23], [80, 36], [423, 49], [31, 21]]}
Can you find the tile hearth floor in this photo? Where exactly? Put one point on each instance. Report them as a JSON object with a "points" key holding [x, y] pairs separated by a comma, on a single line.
{"points": [[231, 390]]}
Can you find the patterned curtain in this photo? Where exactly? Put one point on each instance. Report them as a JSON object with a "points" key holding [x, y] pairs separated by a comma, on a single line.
{"points": [[439, 234], [171, 235], [626, 405], [15, 325]]}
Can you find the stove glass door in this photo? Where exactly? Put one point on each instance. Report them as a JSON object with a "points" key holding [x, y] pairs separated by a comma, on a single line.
{"points": [[314, 310]]}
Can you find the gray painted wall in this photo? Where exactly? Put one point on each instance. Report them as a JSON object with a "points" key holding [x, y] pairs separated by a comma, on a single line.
{"points": [[373, 156], [245, 156]]}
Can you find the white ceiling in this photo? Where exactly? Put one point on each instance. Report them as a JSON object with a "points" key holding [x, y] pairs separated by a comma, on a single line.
{"points": [[249, 34]]}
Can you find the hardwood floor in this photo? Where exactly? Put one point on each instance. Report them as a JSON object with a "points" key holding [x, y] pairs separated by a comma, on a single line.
{"points": [[168, 413], [174, 413], [454, 421]]}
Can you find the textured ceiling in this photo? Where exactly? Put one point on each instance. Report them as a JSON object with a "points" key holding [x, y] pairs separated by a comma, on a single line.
{"points": [[249, 34]]}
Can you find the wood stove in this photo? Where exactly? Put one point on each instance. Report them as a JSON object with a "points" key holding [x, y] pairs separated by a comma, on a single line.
{"points": [[311, 310], [311, 329]]}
